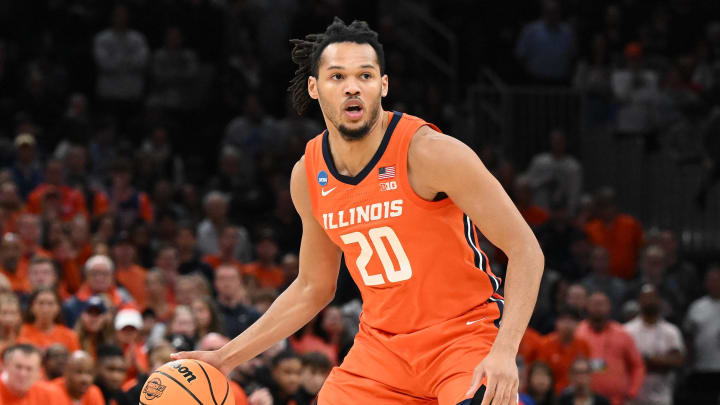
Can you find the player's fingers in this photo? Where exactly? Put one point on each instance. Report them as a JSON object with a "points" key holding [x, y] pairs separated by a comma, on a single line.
{"points": [[514, 393], [503, 393], [476, 380], [490, 387], [181, 355]]}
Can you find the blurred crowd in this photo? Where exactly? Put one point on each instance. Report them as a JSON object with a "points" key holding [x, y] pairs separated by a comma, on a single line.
{"points": [[145, 153]]}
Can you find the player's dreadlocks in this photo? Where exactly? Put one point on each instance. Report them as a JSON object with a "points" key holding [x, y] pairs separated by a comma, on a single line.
{"points": [[306, 54]]}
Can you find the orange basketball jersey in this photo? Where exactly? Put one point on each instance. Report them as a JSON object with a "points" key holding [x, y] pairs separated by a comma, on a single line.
{"points": [[416, 262]]}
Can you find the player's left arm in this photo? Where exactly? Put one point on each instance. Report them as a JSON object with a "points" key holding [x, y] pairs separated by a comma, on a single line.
{"points": [[440, 163]]}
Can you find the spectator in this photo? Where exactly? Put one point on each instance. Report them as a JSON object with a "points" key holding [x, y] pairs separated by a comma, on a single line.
{"points": [[618, 369], [560, 348], [601, 280], [163, 195], [680, 269], [168, 262], [10, 320], [190, 259], [232, 301], [291, 268], [11, 206], [53, 198], [252, 131], [265, 269], [183, 323], [315, 369], [158, 355], [42, 274], [174, 69], [127, 273], [653, 271], [555, 176], [30, 232], [620, 234], [702, 324], [263, 298], [580, 391], [95, 326], [80, 239], [14, 266], [26, 171], [540, 384], [43, 325], [99, 278], [229, 237], [208, 231], [661, 346], [76, 387], [111, 371], [121, 55], [527, 351], [124, 201], [55, 360], [576, 297], [207, 316], [523, 196], [284, 378], [160, 296], [235, 177], [190, 287], [128, 323], [546, 47], [20, 379], [559, 238], [326, 334]]}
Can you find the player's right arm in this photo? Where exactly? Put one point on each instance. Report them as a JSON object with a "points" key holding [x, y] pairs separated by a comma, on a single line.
{"points": [[311, 291]]}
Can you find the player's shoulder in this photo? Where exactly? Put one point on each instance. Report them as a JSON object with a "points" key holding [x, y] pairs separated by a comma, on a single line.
{"points": [[429, 145]]}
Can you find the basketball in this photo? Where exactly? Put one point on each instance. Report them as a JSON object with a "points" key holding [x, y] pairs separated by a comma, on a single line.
{"points": [[189, 382]]}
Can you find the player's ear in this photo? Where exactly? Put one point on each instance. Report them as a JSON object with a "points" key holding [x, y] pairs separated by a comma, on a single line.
{"points": [[312, 87], [384, 80]]}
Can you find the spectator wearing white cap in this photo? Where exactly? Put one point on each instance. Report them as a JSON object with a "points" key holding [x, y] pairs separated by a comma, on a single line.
{"points": [[128, 323]]}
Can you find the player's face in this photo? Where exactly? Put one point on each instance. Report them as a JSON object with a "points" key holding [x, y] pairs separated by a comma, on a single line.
{"points": [[349, 88]]}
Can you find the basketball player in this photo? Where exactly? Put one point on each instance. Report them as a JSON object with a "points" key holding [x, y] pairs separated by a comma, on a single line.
{"points": [[406, 205]]}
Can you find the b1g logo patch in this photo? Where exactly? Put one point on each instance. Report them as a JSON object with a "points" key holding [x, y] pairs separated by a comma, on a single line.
{"points": [[322, 178], [153, 389], [388, 185]]}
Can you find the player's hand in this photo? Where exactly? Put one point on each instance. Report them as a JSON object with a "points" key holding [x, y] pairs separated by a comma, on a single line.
{"points": [[260, 397], [501, 374], [210, 357]]}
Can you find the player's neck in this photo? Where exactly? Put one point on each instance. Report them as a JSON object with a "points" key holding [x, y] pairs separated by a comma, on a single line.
{"points": [[351, 156]]}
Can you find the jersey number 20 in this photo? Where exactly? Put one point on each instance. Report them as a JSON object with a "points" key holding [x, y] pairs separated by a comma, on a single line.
{"points": [[366, 251]]}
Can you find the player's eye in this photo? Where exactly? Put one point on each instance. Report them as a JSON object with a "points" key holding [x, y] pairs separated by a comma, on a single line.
{"points": [[336, 76], [366, 75]]}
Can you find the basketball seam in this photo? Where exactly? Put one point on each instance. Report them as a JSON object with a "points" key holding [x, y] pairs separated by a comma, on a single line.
{"points": [[207, 377], [178, 383], [227, 391]]}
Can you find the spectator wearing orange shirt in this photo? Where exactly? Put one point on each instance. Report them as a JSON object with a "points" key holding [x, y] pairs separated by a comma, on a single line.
{"points": [[10, 319], [20, 381], [11, 206], [43, 325], [127, 273], [53, 198], [12, 264], [42, 273], [533, 214], [158, 354], [618, 369], [99, 280], [30, 233], [620, 234], [54, 361], [123, 201], [229, 236], [559, 349], [160, 297], [76, 387], [529, 345], [265, 269]]}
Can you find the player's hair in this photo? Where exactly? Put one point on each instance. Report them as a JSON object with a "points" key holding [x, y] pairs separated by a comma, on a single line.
{"points": [[306, 54]]}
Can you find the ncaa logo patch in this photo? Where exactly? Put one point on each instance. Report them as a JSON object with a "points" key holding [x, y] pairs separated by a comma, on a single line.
{"points": [[153, 389], [322, 178]]}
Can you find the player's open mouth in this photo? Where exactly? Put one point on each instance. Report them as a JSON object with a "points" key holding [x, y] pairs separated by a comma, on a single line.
{"points": [[353, 110]]}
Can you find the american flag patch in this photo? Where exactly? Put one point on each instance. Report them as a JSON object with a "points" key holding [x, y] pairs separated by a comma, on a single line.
{"points": [[387, 172]]}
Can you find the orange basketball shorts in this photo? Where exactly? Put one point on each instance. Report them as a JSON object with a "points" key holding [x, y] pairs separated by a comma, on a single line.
{"points": [[430, 366]]}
